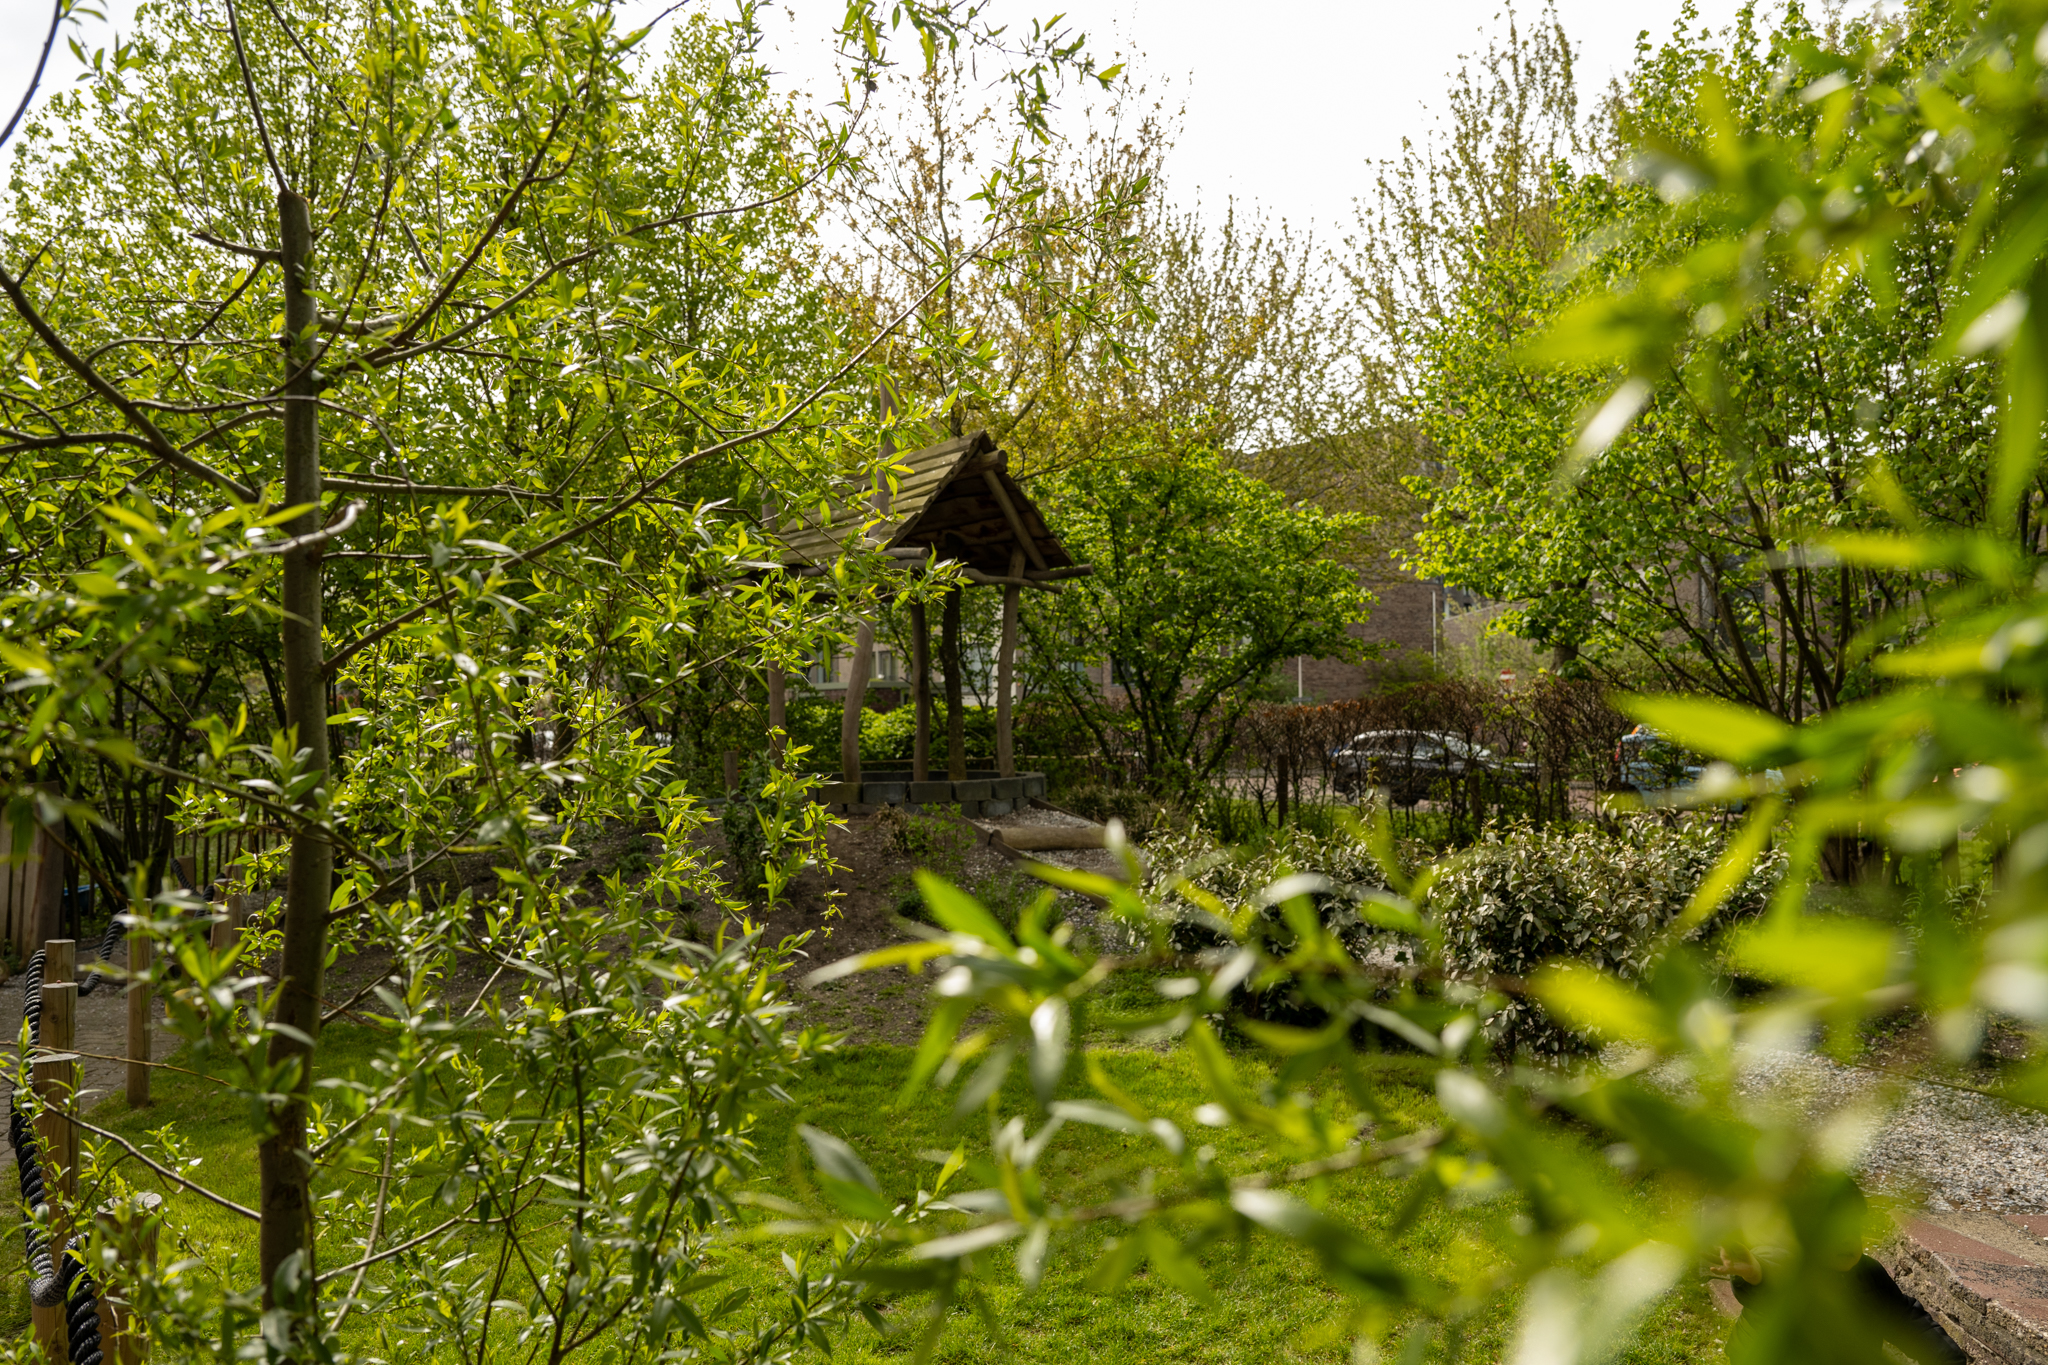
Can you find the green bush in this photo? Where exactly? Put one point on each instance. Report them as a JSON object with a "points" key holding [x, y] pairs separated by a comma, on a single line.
{"points": [[1522, 897]]}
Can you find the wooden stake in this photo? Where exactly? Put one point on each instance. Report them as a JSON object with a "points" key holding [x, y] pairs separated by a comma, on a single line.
{"points": [[921, 693], [1006, 668], [60, 960], [732, 770], [55, 1077], [949, 660], [858, 668], [141, 949]]}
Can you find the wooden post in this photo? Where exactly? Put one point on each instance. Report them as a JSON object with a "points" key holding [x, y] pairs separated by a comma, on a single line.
{"points": [[227, 930], [1006, 668], [857, 670], [778, 712], [732, 770], [141, 949], [127, 1226], [60, 962], [949, 660], [31, 891], [921, 694]]}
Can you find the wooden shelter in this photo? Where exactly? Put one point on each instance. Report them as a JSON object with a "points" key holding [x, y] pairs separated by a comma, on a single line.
{"points": [[956, 503]]}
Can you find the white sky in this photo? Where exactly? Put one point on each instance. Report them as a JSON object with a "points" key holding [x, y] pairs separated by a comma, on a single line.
{"points": [[1287, 103]]}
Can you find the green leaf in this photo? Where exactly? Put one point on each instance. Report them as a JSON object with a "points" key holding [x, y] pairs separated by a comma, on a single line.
{"points": [[1722, 729]]}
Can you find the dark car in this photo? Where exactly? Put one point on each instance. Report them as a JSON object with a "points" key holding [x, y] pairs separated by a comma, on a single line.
{"points": [[1409, 763]]}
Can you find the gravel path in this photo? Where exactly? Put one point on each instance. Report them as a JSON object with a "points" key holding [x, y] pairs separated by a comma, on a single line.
{"points": [[1950, 1148]]}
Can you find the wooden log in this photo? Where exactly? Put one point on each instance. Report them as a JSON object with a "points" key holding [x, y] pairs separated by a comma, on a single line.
{"points": [[141, 952], [1043, 838], [1006, 665], [1054, 575], [996, 580], [949, 660], [920, 694], [778, 713], [127, 1226], [858, 669]]}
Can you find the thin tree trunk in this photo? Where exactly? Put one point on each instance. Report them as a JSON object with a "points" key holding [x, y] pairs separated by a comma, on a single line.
{"points": [[921, 693], [949, 660], [284, 1164]]}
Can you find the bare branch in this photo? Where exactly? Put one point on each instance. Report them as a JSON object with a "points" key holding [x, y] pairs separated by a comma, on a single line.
{"points": [[167, 1173], [261, 253], [126, 406], [35, 77]]}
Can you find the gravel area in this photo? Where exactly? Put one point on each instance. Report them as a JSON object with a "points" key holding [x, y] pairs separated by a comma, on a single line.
{"points": [[1950, 1148], [1039, 815]]}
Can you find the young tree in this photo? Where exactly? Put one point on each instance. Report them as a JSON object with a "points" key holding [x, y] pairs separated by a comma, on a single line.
{"points": [[464, 271], [1205, 580]]}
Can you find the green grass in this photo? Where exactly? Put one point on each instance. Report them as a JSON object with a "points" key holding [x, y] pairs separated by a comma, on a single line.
{"points": [[1268, 1302]]}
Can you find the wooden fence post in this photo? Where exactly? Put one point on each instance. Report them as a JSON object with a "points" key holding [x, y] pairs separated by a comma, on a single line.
{"points": [[856, 700], [1006, 670], [778, 713], [141, 949], [128, 1226]]}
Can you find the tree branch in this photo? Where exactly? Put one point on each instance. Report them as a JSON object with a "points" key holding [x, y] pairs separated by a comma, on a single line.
{"points": [[122, 403]]}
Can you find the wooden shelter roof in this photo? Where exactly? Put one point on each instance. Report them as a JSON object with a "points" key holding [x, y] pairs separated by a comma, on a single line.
{"points": [[957, 501]]}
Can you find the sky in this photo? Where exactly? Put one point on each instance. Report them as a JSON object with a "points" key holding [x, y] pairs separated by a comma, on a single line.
{"points": [[1287, 103]]}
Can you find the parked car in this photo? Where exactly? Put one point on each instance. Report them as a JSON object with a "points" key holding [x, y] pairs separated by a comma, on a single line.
{"points": [[1651, 765], [1658, 770], [1409, 763]]}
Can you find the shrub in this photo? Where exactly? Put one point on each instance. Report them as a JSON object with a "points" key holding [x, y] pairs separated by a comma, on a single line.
{"points": [[1523, 897]]}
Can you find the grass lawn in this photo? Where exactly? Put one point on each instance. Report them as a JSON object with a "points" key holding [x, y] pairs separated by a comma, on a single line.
{"points": [[1267, 1304]]}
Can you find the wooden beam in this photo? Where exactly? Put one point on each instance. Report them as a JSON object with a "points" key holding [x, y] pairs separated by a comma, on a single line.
{"points": [[1006, 665], [1026, 542], [1054, 575]]}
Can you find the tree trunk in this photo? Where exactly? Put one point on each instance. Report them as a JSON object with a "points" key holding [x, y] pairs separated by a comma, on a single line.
{"points": [[949, 660], [284, 1164], [778, 713]]}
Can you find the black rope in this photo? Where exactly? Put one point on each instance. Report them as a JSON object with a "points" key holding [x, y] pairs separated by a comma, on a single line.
{"points": [[68, 1282], [91, 980]]}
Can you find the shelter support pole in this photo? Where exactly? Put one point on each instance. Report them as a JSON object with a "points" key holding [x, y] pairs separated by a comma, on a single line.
{"points": [[921, 693], [1006, 671], [858, 668], [949, 660], [141, 950], [778, 709]]}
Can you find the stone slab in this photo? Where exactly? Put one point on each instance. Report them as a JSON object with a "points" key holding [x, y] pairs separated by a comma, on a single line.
{"points": [[836, 793], [929, 793], [972, 791], [1984, 1279], [1006, 788], [997, 806], [884, 793]]}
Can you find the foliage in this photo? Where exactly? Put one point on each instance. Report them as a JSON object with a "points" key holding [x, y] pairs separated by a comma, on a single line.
{"points": [[772, 828], [1205, 579], [390, 391], [1600, 898], [1954, 749], [1668, 559]]}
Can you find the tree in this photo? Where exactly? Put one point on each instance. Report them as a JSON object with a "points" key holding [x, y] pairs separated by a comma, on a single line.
{"points": [[1666, 558], [465, 271], [1205, 580]]}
